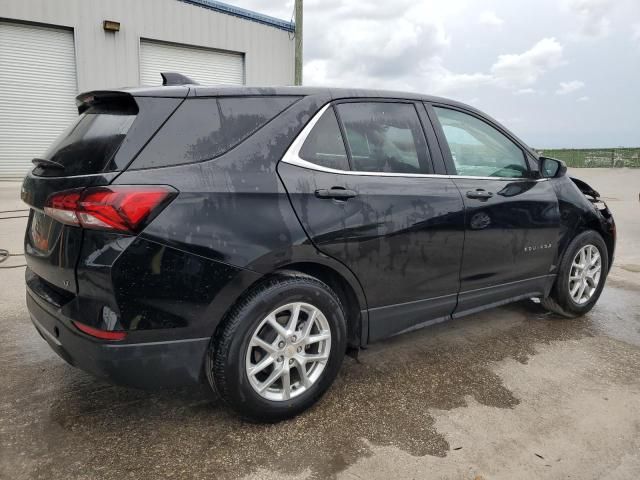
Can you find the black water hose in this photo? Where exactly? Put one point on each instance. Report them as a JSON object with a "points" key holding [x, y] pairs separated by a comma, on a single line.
{"points": [[4, 255]]}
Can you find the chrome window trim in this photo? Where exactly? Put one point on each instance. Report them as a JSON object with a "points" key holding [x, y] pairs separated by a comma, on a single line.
{"points": [[292, 157]]}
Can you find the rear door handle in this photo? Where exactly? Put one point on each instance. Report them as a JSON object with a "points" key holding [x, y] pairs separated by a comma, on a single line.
{"points": [[479, 194], [337, 193]]}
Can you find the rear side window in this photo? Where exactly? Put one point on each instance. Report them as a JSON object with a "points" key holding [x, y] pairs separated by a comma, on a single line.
{"points": [[242, 116], [204, 128], [88, 145], [385, 137], [192, 133], [324, 145]]}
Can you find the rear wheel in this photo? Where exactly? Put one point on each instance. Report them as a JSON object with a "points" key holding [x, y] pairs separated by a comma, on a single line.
{"points": [[279, 349], [581, 276]]}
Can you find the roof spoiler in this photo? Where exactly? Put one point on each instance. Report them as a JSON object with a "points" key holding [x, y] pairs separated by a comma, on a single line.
{"points": [[106, 98], [174, 78]]}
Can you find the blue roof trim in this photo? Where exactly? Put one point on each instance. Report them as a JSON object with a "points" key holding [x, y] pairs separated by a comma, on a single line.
{"points": [[243, 13]]}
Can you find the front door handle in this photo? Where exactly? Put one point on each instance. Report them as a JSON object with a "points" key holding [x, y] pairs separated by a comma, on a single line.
{"points": [[479, 194], [337, 193]]}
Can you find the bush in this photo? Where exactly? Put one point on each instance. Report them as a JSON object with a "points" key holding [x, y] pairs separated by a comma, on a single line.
{"points": [[596, 157]]}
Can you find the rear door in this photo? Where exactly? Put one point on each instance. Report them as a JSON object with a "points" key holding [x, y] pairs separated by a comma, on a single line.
{"points": [[362, 181], [512, 218]]}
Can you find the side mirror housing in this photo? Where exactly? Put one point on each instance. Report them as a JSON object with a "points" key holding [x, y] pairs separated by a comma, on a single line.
{"points": [[552, 167]]}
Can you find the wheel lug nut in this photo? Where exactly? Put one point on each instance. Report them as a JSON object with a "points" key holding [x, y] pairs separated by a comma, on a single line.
{"points": [[280, 359], [293, 339], [299, 349], [281, 345]]}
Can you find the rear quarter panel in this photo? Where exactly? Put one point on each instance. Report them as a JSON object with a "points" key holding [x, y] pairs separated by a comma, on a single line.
{"points": [[234, 208]]}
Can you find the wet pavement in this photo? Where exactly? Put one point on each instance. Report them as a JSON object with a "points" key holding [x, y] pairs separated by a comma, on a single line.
{"points": [[513, 392]]}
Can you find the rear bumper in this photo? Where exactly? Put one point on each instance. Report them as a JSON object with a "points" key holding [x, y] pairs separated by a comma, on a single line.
{"points": [[154, 364]]}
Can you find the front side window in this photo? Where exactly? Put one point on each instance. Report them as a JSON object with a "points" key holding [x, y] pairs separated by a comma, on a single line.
{"points": [[478, 149], [384, 137]]}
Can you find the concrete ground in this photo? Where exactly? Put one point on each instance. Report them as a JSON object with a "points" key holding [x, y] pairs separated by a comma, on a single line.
{"points": [[510, 393]]}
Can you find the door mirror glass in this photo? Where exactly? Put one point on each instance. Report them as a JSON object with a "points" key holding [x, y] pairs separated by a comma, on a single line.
{"points": [[552, 168]]}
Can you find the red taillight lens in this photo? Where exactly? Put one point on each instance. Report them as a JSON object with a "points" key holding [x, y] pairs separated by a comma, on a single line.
{"points": [[101, 334], [62, 206], [118, 208], [65, 200]]}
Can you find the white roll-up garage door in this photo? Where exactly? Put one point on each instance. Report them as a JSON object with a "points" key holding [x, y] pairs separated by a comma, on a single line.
{"points": [[205, 66], [37, 92]]}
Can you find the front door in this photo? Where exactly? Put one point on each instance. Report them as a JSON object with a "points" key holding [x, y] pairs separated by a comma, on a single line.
{"points": [[372, 203], [512, 218]]}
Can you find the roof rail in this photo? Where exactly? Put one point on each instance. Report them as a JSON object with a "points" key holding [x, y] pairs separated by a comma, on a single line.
{"points": [[174, 78]]}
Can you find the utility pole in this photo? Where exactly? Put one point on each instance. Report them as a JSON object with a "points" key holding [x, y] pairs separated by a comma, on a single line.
{"points": [[298, 39]]}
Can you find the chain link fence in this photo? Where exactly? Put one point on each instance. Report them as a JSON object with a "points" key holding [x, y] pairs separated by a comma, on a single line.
{"points": [[596, 157]]}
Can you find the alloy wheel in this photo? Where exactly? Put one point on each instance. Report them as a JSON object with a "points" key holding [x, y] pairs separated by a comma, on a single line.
{"points": [[288, 351], [584, 276]]}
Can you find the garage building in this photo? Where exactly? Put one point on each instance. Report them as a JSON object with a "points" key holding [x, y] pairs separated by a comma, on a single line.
{"points": [[52, 50]]}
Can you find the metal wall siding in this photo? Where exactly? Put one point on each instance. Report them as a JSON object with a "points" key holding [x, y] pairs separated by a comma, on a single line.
{"points": [[107, 59], [42, 72], [33, 60], [205, 66]]}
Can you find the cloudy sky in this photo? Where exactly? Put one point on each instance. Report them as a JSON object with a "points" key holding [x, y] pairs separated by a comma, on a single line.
{"points": [[559, 73]]}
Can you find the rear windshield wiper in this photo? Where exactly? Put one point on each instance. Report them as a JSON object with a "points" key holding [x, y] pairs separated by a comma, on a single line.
{"points": [[44, 163]]}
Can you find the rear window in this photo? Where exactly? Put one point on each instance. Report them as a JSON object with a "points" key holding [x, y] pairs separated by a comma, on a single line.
{"points": [[204, 128], [88, 144]]}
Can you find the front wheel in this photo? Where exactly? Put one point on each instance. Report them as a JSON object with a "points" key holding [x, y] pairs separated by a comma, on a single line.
{"points": [[279, 349], [581, 276]]}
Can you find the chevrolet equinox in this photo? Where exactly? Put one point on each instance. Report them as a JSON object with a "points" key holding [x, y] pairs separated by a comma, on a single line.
{"points": [[250, 237]]}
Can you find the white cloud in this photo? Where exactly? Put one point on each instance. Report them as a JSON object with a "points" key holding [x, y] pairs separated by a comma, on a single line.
{"points": [[569, 87], [401, 45], [378, 46], [592, 16], [442, 47], [442, 81], [490, 18], [635, 33], [381, 63], [523, 69]]}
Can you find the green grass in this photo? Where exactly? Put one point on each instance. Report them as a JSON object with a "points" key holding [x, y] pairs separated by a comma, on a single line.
{"points": [[595, 157]]}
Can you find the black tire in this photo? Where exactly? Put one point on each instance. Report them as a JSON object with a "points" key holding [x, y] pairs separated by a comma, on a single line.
{"points": [[559, 300], [227, 351]]}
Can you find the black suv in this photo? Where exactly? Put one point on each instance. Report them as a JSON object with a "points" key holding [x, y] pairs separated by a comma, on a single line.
{"points": [[249, 236]]}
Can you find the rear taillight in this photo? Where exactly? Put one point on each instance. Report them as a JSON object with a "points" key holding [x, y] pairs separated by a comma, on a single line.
{"points": [[117, 208], [101, 334]]}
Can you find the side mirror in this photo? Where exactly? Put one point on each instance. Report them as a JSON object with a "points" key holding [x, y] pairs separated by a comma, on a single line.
{"points": [[552, 168]]}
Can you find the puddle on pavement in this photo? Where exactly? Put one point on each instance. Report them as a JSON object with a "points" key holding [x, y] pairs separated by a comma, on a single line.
{"points": [[631, 267], [617, 314], [79, 426]]}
